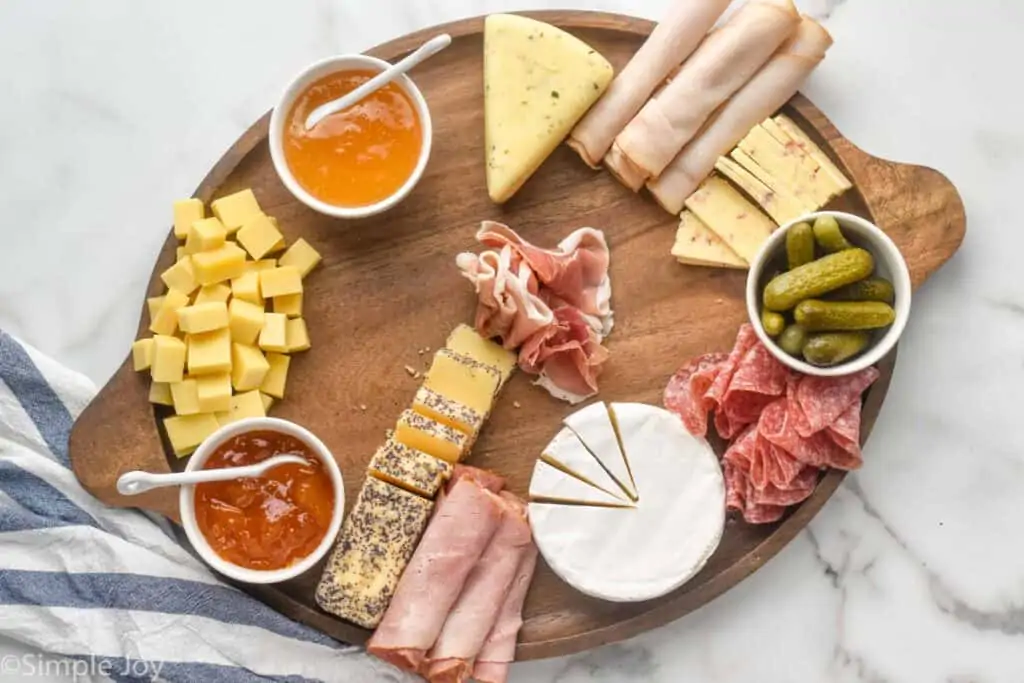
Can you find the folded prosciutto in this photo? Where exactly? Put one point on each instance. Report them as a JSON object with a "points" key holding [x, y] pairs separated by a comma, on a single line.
{"points": [[462, 526], [482, 597], [672, 41], [492, 662], [762, 95], [728, 58]]}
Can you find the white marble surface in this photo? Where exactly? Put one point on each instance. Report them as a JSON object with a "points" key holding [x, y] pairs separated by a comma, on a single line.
{"points": [[914, 572]]}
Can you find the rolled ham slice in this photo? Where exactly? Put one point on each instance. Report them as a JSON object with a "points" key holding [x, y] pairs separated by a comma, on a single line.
{"points": [[762, 95], [482, 597], [727, 59], [672, 41], [462, 526], [489, 480], [492, 662]]}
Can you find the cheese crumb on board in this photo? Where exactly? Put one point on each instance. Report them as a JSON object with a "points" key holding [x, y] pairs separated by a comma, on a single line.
{"points": [[697, 245], [738, 222], [538, 82], [412, 470]]}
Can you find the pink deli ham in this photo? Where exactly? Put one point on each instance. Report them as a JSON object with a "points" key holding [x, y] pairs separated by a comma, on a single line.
{"points": [[499, 650], [458, 533]]}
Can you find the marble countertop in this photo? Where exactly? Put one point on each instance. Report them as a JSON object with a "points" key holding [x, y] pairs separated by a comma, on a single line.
{"points": [[913, 572]]}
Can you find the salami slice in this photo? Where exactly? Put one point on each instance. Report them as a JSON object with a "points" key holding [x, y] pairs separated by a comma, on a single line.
{"points": [[824, 399], [740, 453], [684, 393], [745, 339], [845, 431], [784, 468], [756, 513], [798, 490], [735, 487]]}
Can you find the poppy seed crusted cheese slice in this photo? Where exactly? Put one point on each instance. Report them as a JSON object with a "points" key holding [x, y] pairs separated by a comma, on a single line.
{"points": [[413, 470]]}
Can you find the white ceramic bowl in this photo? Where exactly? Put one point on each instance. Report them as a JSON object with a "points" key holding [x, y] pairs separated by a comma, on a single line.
{"points": [[889, 264], [280, 115], [186, 500]]}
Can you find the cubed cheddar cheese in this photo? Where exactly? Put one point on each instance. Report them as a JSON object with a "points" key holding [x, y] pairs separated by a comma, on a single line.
{"points": [[235, 209], [301, 256], [258, 236], [186, 400], [268, 401], [247, 287], [166, 320], [153, 305], [212, 293], [262, 264], [186, 432], [197, 318], [209, 353], [213, 392], [280, 281], [245, 320], [180, 253], [277, 375], [142, 354], [274, 335], [376, 541], [160, 394], [168, 359], [243, 405], [218, 265], [413, 470], [430, 436], [205, 235], [447, 411], [181, 276], [289, 304], [466, 341], [186, 212], [463, 379], [296, 334], [249, 367]]}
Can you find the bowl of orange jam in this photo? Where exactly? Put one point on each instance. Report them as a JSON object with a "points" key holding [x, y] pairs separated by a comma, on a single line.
{"points": [[357, 162], [269, 528]]}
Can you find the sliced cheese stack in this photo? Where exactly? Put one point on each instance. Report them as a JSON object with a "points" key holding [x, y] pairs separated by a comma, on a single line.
{"points": [[230, 317], [662, 525]]}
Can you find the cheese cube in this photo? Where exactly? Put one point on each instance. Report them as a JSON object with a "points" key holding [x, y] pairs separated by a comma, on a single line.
{"points": [[267, 401], [277, 376], [186, 400], [168, 359], [213, 392], [279, 281], [258, 235], [235, 209], [153, 305], [274, 335], [186, 212], [186, 432], [166, 319], [376, 541], [212, 315], [245, 320], [142, 354], [289, 304], [243, 405], [249, 367], [223, 263], [205, 235], [466, 341], [463, 379], [262, 264], [296, 335], [212, 293], [209, 353], [301, 256], [446, 411], [430, 436], [181, 276], [180, 253], [247, 287], [413, 470], [160, 394]]}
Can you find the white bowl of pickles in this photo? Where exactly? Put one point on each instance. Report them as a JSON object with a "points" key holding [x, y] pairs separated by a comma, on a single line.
{"points": [[829, 294]]}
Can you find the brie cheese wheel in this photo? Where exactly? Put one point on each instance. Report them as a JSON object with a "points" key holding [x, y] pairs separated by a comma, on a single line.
{"points": [[593, 425], [568, 453], [643, 552], [551, 485]]}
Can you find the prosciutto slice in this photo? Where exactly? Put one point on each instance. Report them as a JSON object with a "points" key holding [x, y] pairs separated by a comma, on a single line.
{"points": [[672, 41], [492, 662], [462, 526], [727, 59], [482, 597], [758, 99], [567, 355]]}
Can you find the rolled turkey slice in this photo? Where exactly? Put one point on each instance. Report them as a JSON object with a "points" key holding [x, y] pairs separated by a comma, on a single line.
{"points": [[762, 95], [482, 597], [462, 526], [672, 41], [727, 59], [492, 662]]}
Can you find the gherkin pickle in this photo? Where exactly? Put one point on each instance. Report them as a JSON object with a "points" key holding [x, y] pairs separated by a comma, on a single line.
{"points": [[773, 323], [792, 339], [816, 278], [828, 235], [799, 245], [832, 348], [871, 289], [820, 316]]}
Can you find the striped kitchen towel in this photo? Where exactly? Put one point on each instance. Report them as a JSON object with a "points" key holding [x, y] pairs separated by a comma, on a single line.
{"points": [[108, 594]]}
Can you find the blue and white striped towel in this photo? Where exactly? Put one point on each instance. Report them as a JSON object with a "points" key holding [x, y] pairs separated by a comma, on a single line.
{"points": [[108, 593]]}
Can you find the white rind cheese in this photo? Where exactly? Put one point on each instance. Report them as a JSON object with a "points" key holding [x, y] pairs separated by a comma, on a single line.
{"points": [[550, 484], [641, 553], [593, 425], [568, 453]]}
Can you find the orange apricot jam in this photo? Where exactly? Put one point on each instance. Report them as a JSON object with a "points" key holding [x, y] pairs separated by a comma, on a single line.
{"points": [[267, 522], [355, 157]]}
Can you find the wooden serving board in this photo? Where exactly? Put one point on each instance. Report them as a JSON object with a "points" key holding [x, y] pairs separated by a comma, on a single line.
{"points": [[388, 287]]}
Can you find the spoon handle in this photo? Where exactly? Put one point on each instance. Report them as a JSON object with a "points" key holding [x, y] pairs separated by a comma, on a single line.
{"points": [[131, 483]]}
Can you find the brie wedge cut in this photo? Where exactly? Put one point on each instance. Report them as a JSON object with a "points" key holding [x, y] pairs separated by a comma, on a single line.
{"points": [[567, 453], [643, 552], [551, 485], [593, 426]]}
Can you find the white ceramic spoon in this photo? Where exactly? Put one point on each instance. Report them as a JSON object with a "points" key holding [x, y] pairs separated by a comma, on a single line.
{"points": [[132, 483], [426, 50]]}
